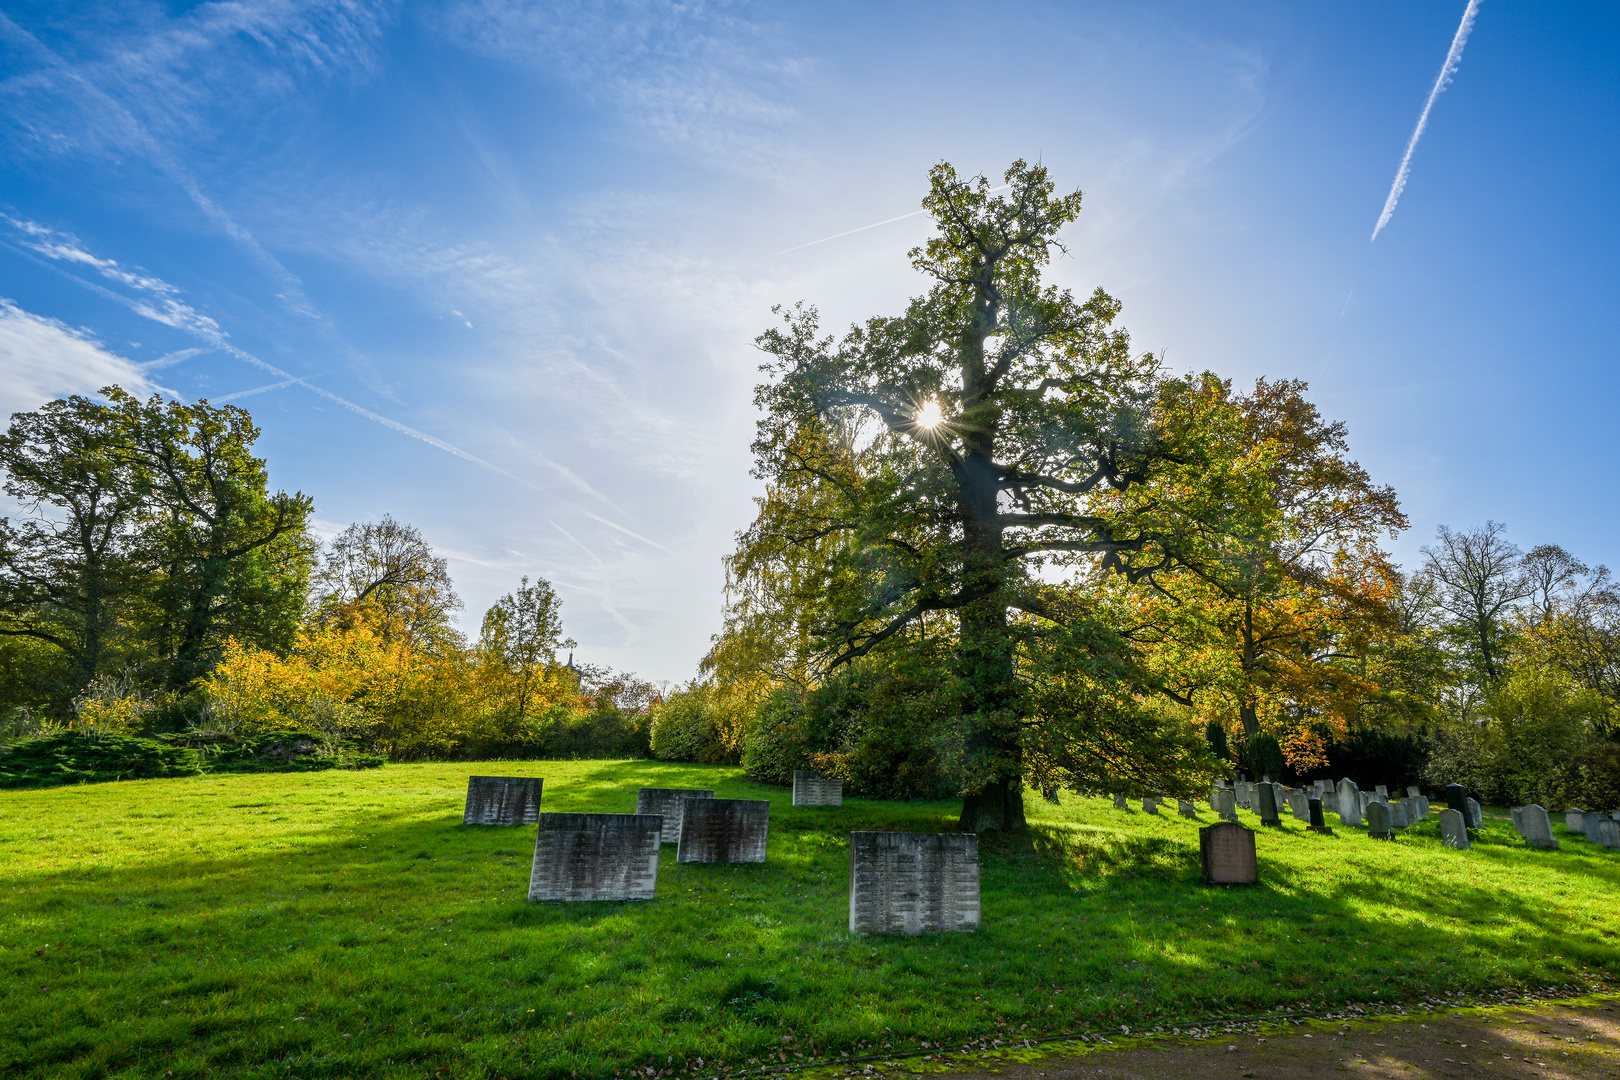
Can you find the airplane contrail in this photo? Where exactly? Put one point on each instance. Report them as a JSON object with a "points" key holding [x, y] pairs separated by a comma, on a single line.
{"points": [[1447, 70]]}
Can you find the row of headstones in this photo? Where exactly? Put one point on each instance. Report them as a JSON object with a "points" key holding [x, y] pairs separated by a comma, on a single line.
{"points": [[1532, 823], [900, 883], [1352, 805]]}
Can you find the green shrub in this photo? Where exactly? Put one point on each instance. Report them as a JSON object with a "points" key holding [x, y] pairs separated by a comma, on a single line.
{"points": [[1264, 757], [776, 744], [275, 751], [686, 727], [605, 732], [73, 757]]}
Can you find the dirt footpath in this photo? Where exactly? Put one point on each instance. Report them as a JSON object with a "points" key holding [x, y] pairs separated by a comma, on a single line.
{"points": [[1577, 1042]]}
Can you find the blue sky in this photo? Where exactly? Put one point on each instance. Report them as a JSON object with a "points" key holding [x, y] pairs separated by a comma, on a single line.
{"points": [[496, 267]]}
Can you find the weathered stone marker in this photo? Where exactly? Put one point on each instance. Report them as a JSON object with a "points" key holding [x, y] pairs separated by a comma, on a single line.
{"points": [[666, 802], [1413, 792], [1186, 809], [813, 789], [1536, 828], [1400, 814], [1604, 831], [1575, 820], [1453, 830], [1299, 804], [724, 830], [913, 883], [1226, 851], [1150, 805], [1517, 814], [502, 800], [1120, 803], [1382, 790], [1349, 802], [1378, 822], [596, 857], [1226, 804], [1266, 797], [1318, 823], [1475, 817]]}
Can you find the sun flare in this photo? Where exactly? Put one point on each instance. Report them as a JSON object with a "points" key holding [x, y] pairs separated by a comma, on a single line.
{"points": [[929, 415]]}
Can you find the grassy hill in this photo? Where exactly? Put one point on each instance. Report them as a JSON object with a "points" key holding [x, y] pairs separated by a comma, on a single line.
{"points": [[347, 925]]}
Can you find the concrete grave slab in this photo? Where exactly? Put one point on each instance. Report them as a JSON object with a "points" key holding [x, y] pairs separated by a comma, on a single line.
{"points": [[813, 789], [1226, 852], [724, 831], [666, 802], [596, 857], [502, 800], [913, 883]]}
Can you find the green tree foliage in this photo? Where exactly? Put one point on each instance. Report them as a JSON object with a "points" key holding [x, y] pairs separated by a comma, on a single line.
{"points": [[388, 574], [152, 537], [1001, 404], [1479, 585]]}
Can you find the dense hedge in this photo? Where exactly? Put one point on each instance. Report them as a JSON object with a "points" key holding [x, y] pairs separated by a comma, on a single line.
{"points": [[72, 757]]}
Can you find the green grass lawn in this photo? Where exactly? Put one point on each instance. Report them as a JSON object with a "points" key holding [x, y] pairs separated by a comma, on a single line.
{"points": [[347, 925]]}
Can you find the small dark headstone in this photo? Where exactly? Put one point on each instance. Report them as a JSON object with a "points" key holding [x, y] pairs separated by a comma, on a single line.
{"points": [[1456, 797], [1266, 804], [1120, 803], [1050, 794], [1150, 805], [595, 857], [502, 800], [1226, 850], [724, 831], [1186, 809], [666, 802], [913, 883], [1378, 822], [1318, 823]]}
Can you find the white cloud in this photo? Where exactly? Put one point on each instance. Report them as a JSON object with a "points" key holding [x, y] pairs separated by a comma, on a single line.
{"points": [[42, 359]]}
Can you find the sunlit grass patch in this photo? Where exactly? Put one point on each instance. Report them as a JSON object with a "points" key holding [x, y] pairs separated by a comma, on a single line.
{"points": [[348, 925]]}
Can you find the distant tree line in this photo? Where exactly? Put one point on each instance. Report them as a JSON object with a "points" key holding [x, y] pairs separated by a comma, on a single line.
{"points": [[154, 584]]}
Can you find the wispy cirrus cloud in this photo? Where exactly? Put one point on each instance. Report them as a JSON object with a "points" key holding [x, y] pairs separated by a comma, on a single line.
{"points": [[45, 358]]}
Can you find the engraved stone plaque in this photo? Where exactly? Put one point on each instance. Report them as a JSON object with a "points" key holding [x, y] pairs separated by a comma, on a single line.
{"points": [[1349, 802], [502, 800], [596, 857], [667, 802], [1453, 830], [1534, 825], [813, 789], [723, 830], [913, 883], [1227, 852]]}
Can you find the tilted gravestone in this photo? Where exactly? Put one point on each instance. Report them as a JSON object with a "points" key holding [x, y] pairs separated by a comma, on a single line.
{"points": [[1378, 822], [1268, 806], [596, 857], [1453, 830], [1517, 814], [1604, 831], [1475, 817], [1226, 804], [1536, 828], [1299, 804], [813, 789], [1186, 809], [1120, 803], [913, 883], [502, 800], [1349, 802], [1422, 806], [1318, 822], [724, 830], [1226, 851], [667, 802]]}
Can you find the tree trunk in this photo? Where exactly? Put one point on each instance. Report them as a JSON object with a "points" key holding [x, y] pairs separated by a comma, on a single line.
{"points": [[998, 807]]}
